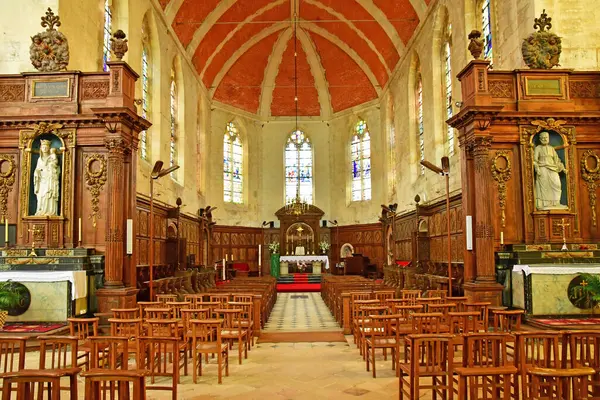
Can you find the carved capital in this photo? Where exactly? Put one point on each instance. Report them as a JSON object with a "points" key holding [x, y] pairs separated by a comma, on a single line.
{"points": [[480, 148], [116, 145]]}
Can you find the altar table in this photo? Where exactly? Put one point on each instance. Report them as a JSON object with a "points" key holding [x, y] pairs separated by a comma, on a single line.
{"points": [[306, 259], [543, 289]]}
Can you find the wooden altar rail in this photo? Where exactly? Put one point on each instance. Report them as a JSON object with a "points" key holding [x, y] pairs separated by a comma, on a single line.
{"points": [[336, 292], [185, 282], [430, 277], [263, 289]]}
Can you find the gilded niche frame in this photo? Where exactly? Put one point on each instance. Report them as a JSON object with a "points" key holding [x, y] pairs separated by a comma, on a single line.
{"points": [[67, 149], [527, 135]]}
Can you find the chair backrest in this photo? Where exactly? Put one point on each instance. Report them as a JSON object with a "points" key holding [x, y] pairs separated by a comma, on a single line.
{"points": [[411, 295], [482, 308], [206, 335], [164, 298], [142, 305], [125, 312], [12, 353], [83, 327], [193, 299], [242, 298], [211, 305], [463, 322], [162, 327], [160, 357], [109, 352], [424, 323], [486, 350], [427, 301], [116, 384], [29, 382], [407, 311], [230, 316], [443, 308], [221, 298], [125, 327], [383, 295], [382, 326], [358, 304], [584, 348], [507, 320], [536, 349], [58, 350], [430, 354], [246, 309], [177, 306], [436, 293], [359, 296], [158, 313], [459, 301]]}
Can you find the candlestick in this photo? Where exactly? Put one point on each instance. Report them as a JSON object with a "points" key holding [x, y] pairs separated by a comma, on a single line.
{"points": [[259, 256], [79, 231], [223, 269], [502, 238], [6, 231]]}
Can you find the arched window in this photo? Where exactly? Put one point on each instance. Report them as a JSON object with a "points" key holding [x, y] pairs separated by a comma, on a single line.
{"points": [[145, 87], [107, 34], [233, 156], [392, 151], [298, 168], [486, 29], [420, 126], [360, 150], [448, 88], [173, 109]]}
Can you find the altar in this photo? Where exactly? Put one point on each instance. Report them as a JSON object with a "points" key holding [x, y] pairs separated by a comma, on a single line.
{"points": [[551, 289], [317, 261]]}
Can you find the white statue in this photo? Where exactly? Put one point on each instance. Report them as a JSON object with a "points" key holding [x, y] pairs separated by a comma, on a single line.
{"points": [[46, 180], [547, 165]]}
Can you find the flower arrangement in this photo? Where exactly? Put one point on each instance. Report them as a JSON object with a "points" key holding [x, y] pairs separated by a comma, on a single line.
{"points": [[274, 247], [324, 246]]}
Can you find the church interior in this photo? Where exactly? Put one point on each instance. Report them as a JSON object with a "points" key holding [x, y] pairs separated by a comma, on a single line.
{"points": [[289, 199]]}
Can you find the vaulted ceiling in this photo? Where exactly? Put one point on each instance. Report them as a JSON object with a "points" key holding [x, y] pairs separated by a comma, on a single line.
{"points": [[243, 50]]}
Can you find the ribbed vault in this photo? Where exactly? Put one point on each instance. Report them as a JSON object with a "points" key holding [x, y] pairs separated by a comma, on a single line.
{"points": [[243, 50]]}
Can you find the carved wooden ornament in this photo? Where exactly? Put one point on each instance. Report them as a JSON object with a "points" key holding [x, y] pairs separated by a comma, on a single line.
{"points": [[501, 172], [7, 180], [590, 172], [95, 178]]}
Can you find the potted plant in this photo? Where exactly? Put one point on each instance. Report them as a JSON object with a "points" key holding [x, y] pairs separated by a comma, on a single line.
{"points": [[590, 287], [274, 249], [10, 298], [324, 246]]}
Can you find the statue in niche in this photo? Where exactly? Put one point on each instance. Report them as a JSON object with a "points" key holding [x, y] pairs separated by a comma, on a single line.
{"points": [[547, 165], [46, 180]]}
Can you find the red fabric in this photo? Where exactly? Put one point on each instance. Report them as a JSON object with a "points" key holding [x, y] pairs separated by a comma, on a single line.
{"points": [[299, 287], [241, 267], [30, 327], [403, 263]]}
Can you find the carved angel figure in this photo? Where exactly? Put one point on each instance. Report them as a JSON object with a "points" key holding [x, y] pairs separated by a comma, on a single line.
{"points": [[542, 50], [49, 50]]}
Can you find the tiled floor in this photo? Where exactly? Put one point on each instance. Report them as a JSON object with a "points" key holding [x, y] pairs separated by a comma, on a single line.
{"points": [[300, 312], [289, 370]]}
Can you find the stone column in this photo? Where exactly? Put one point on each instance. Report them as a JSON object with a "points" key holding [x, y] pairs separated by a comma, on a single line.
{"points": [[117, 148], [484, 227]]}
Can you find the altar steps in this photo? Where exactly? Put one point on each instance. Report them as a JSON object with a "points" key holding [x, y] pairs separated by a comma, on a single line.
{"points": [[299, 283]]}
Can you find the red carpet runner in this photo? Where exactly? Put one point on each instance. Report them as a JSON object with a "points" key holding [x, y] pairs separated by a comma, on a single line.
{"points": [[299, 287]]}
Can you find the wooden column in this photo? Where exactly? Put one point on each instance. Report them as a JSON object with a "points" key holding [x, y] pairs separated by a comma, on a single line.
{"points": [[113, 274]]}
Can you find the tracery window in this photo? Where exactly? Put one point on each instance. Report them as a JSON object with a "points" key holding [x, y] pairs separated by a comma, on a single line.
{"points": [[486, 28], [145, 99], [173, 112], [298, 168], [420, 124], [233, 155], [448, 91], [107, 35], [360, 149]]}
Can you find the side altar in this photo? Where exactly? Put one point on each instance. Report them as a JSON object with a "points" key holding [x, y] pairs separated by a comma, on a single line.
{"points": [[312, 264]]}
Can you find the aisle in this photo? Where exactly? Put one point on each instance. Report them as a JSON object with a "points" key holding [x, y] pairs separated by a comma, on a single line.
{"points": [[301, 312]]}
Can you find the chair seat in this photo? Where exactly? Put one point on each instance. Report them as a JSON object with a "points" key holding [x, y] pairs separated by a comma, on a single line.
{"points": [[562, 372], [209, 347], [233, 333], [485, 371], [423, 371], [377, 342]]}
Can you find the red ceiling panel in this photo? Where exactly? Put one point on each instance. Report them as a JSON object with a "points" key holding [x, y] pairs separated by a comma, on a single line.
{"points": [[240, 37], [283, 103], [190, 16], [366, 23], [348, 84], [347, 35], [241, 86], [402, 15]]}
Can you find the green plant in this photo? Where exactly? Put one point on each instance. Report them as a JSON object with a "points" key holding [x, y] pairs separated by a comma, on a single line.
{"points": [[590, 284], [10, 295]]}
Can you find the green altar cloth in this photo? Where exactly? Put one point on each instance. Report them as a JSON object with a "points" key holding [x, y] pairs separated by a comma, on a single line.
{"points": [[275, 265]]}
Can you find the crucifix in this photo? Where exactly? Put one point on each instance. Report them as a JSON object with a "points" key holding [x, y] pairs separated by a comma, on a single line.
{"points": [[563, 225], [34, 231]]}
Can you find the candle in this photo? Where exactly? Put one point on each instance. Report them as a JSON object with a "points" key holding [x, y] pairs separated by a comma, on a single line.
{"points": [[79, 230], [226, 257], [5, 230], [129, 236], [259, 256], [502, 238], [224, 269]]}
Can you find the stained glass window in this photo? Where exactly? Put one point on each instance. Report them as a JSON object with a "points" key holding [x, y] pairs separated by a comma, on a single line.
{"points": [[420, 126], [486, 28], [360, 152], [448, 93], [145, 101], [233, 156], [107, 34], [298, 168], [173, 147]]}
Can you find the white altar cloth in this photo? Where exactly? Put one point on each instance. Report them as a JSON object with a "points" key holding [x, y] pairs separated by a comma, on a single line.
{"points": [[77, 278], [308, 258], [557, 269]]}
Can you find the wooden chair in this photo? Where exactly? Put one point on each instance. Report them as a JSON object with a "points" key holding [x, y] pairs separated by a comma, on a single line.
{"points": [[485, 367], [430, 357], [120, 384], [583, 351], [109, 352], [126, 313], [459, 301], [556, 383], [383, 295], [246, 319], [482, 308], [27, 380], [160, 357], [193, 299], [131, 329], [536, 349], [158, 313], [410, 295], [187, 315], [427, 301], [382, 335], [436, 293], [164, 298], [169, 328], [507, 320], [206, 339], [242, 298], [177, 306], [232, 330], [142, 305], [58, 349], [357, 316], [83, 328], [12, 354], [211, 305], [423, 323], [222, 298], [364, 318], [444, 309]]}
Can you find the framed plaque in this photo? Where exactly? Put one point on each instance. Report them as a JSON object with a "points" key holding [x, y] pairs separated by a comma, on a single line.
{"points": [[55, 88]]}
